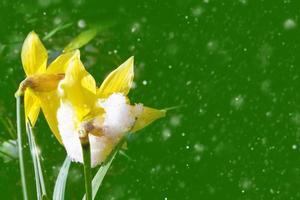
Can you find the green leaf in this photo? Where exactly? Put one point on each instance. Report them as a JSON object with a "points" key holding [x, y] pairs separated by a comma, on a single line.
{"points": [[38, 173], [9, 126], [87, 35], [98, 178], [60, 184], [82, 39], [55, 30], [9, 150]]}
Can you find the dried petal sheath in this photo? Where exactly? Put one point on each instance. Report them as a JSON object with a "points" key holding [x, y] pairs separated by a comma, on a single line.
{"points": [[42, 82]]}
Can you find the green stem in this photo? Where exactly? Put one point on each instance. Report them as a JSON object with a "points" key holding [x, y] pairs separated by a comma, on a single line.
{"points": [[20, 149], [87, 170]]}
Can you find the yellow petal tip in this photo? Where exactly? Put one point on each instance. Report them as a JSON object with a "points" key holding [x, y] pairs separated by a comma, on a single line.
{"points": [[147, 117], [130, 60], [77, 53], [33, 54], [118, 81], [32, 34]]}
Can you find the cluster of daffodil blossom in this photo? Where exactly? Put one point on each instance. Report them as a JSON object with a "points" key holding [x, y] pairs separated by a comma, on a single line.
{"points": [[77, 111]]}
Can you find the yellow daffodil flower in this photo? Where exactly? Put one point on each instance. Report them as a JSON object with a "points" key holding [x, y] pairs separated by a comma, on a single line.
{"points": [[40, 85], [98, 116]]}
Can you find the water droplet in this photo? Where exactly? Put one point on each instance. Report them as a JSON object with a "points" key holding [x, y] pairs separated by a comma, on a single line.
{"points": [[212, 46], [171, 35], [133, 85], [197, 11], [135, 27], [289, 24], [197, 158], [199, 147], [57, 20], [296, 118], [81, 23], [166, 134], [245, 184], [175, 120], [237, 101]]}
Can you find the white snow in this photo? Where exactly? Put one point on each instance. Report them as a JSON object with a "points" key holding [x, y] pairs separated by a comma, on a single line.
{"points": [[100, 149], [100, 146], [67, 120], [119, 116]]}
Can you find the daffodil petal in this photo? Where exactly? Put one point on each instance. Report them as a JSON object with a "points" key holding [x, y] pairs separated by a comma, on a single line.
{"points": [[147, 116], [88, 82], [50, 103], [34, 55], [31, 106], [60, 64], [79, 88], [118, 81]]}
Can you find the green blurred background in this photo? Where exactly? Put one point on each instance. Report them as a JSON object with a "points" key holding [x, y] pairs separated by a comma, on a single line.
{"points": [[231, 67]]}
